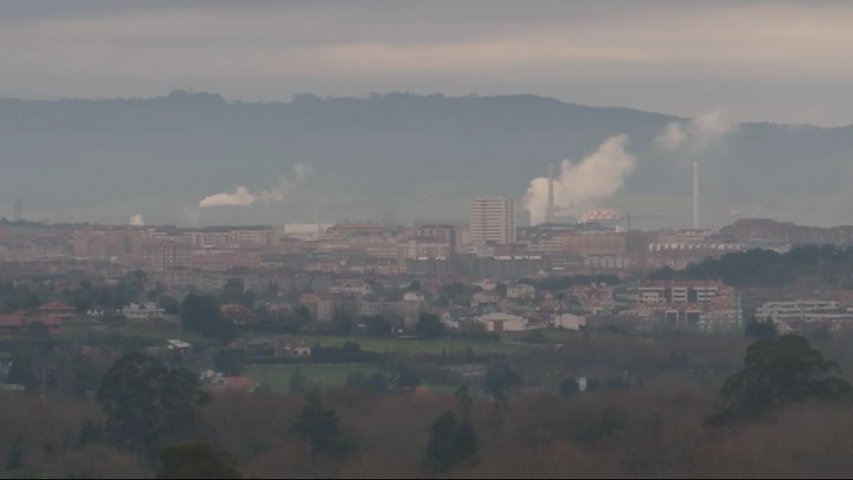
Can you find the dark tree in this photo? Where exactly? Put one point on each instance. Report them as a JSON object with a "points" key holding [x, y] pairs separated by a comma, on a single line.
{"points": [[170, 305], [465, 446], [463, 400], [404, 376], [233, 291], [25, 369], [760, 329], [90, 433], [146, 403], [449, 443], [377, 326], [80, 303], [15, 455], [320, 426], [499, 379], [229, 362], [131, 286], [201, 314], [570, 387], [342, 324], [376, 383], [298, 381], [198, 460], [429, 326], [438, 453], [779, 370]]}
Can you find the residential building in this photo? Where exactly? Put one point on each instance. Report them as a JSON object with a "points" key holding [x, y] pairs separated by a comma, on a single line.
{"points": [[568, 321], [143, 312], [806, 314], [292, 347], [520, 291], [492, 220], [703, 305], [160, 257], [503, 322]]}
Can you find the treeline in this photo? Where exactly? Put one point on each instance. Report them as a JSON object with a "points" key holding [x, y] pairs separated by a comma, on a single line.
{"points": [[766, 268], [152, 420], [562, 283]]}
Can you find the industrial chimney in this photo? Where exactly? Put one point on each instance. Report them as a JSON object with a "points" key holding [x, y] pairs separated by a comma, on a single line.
{"points": [[549, 212], [695, 194]]}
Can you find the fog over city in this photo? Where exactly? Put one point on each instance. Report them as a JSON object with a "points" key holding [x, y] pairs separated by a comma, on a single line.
{"points": [[720, 70], [426, 239]]}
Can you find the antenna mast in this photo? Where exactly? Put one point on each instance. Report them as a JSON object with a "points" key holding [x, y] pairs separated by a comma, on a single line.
{"points": [[695, 194]]}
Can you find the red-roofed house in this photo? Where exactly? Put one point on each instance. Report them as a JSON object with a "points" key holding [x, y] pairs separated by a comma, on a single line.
{"points": [[59, 310], [12, 324], [235, 312], [16, 324]]}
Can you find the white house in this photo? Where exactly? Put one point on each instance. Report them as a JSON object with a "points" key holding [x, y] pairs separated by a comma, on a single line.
{"points": [[520, 291], [448, 321], [503, 322], [568, 321], [292, 347], [413, 297], [484, 298], [175, 344], [143, 311]]}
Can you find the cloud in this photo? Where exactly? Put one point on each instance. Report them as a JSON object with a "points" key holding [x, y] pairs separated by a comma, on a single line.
{"points": [[580, 185], [137, 220], [597, 52]]}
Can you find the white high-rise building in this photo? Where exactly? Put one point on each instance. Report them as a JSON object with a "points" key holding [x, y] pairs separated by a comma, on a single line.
{"points": [[492, 219]]}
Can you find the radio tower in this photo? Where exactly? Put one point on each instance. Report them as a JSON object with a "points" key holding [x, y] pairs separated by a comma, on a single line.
{"points": [[18, 207], [695, 194]]}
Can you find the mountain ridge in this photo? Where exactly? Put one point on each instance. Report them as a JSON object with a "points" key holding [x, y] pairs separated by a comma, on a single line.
{"points": [[416, 156]]}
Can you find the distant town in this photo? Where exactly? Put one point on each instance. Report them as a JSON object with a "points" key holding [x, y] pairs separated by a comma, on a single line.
{"points": [[488, 275]]}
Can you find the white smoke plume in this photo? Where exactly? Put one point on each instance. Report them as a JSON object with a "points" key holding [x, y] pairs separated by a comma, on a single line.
{"points": [[302, 170], [190, 214], [137, 220], [579, 185], [695, 135], [240, 197], [243, 197]]}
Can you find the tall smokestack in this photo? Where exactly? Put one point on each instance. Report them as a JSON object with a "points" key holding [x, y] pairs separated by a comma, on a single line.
{"points": [[695, 194], [549, 213]]}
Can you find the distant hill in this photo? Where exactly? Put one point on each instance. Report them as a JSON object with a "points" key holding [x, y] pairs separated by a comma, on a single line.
{"points": [[416, 157]]}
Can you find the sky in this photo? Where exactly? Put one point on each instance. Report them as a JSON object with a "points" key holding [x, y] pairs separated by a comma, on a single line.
{"points": [[785, 62]]}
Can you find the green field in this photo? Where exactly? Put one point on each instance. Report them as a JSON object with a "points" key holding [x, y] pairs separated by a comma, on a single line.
{"points": [[373, 344], [416, 346], [278, 376], [154, 331]]}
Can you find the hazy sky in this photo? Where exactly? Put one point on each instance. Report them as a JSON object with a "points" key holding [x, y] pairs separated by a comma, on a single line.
{"points": [[778, 61]]}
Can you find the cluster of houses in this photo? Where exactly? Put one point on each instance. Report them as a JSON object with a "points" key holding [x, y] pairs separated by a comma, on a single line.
{"points": [[49, 317]]}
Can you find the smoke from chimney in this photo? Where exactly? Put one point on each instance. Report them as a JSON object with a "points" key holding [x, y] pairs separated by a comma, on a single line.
{"points": [[692, 138], [578, 185], [697, 134], [243, 197]]}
